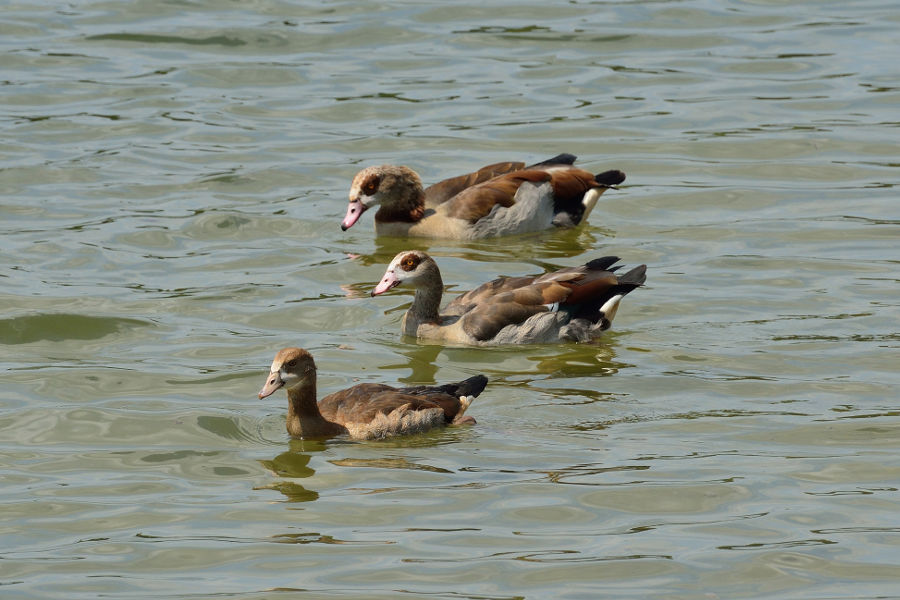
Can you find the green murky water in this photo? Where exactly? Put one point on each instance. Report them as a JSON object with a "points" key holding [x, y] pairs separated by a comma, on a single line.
{"points": [[173, 176]]}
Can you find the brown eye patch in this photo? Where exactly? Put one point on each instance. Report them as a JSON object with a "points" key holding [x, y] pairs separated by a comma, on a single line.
{"points": [[370, 185], [409, 262]]}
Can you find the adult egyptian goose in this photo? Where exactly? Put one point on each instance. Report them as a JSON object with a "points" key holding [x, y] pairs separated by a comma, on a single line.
{"points": [[368, 410], [574, 303], [498, 199]]}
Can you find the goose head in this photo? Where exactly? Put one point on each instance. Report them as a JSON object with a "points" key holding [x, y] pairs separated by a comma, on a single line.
{"points": [[291, 367], [409, 267], [398, 189]]}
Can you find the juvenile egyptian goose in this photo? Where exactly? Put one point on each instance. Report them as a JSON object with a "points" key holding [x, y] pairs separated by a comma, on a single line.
{"points": [[574, 303], [499, 199], [368, 410]]}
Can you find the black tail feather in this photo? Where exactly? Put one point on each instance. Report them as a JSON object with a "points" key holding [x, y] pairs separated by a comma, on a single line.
{"points": [[609, 178], [632, 279], [626, 282], [472, 386]]}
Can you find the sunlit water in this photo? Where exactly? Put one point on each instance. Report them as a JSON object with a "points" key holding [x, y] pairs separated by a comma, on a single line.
{"points": [[173, 177]]}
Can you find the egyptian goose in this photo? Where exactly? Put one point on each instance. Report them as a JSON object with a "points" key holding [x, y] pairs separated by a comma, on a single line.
{"points": [[498, 199], [574, 303], [368, 410]]}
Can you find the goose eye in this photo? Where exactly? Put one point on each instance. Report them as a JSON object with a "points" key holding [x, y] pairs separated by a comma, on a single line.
{"points": [[292, 362], [409, 262], [371, 187]]}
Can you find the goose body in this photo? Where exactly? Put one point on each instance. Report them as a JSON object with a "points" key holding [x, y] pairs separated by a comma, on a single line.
{"points": [[499, 199], [574, 303], [367, 410]]}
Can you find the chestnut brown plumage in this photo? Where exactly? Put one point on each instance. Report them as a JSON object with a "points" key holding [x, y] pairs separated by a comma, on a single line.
{"points": [[499, 199], [573, 303]]}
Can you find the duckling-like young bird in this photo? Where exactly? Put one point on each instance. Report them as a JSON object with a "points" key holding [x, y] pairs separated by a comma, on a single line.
{"points": [[368, 410], [499, 199], [574, 303]]}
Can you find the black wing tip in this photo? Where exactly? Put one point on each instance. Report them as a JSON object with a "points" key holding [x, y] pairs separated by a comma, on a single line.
{"points": [[560, 159], [634, 278], [602, 264]]}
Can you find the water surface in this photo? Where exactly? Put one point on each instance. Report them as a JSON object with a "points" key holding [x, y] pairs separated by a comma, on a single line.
{"points": [[173, 177]]}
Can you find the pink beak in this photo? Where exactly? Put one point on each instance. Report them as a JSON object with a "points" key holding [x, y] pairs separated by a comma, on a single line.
{"points": [[354, 212], [273, 384], [389, 281]]}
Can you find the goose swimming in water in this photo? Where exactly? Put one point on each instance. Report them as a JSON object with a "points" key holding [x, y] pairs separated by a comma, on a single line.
{"points": [[574, 303], [367, 410], [499, 199]]}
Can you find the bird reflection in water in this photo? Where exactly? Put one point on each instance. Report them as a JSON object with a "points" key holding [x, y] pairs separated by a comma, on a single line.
{"points": [[293, 464]]}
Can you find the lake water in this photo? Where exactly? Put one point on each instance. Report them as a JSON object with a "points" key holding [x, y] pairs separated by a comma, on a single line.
{"points": [[173, 179]]}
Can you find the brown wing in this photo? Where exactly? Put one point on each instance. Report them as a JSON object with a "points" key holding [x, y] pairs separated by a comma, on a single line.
{"points": [[492, 290], [361, 403], [511, 301], [588, 286], [477, 201], [485, 292], [444, 190], [487, 317], [570, 185], [569, 188]]}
